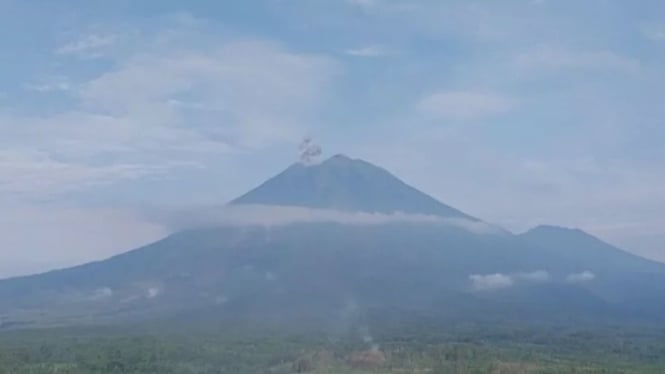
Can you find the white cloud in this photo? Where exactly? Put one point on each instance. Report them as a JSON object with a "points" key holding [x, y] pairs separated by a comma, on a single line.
{"points": [[102, 294], [466, 105], [169, 101], [268, 215], [163, 108], [88, 46], [655, 32], [582, 277], [60, 236], [29, 175], [369, 51], [32, 174], [560, 193], [435, 18], [364, 3], [240, 93], [490, 282], [50, 84], [153, 292], [562, 58]]}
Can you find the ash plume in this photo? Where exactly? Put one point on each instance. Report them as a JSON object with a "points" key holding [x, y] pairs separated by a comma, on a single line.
{"points": [[309, 151], [368, 339]]}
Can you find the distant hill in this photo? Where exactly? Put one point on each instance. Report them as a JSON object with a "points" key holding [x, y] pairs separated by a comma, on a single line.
{"points": [[622, 277], [327, 273], [587, 251]]}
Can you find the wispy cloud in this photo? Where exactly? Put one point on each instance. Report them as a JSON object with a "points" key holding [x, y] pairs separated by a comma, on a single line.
{"points": [[100, 294], [363, 3], [497, 281], [268, 215], [159, 109], [653, 31], [369, 51], [88, 46], [583, 277], [173, 114], [548, 57], [169, 101], [490, 282], [244, 93], [50, 84], [28, 174], [466, 105]]}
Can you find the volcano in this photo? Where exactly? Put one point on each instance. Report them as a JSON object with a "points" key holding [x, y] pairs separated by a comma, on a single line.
{"points": [[415, 258]]}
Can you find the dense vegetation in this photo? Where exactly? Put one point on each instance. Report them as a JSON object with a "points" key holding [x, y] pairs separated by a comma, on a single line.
{"points": [[462, 350]]}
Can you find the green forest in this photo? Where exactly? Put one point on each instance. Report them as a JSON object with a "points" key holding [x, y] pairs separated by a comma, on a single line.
{"points": [[471, 349]]}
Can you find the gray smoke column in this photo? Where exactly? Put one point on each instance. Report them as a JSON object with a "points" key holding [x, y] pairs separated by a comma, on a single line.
{"points": [[309, 151], [368, 339]]}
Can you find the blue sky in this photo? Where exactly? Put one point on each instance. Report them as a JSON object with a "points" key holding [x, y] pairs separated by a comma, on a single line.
{"points": [[521, 112]]}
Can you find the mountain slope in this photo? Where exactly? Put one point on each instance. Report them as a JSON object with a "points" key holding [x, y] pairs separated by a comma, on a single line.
{"points": [[345, 184], [307, 270], [328, 273]]}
